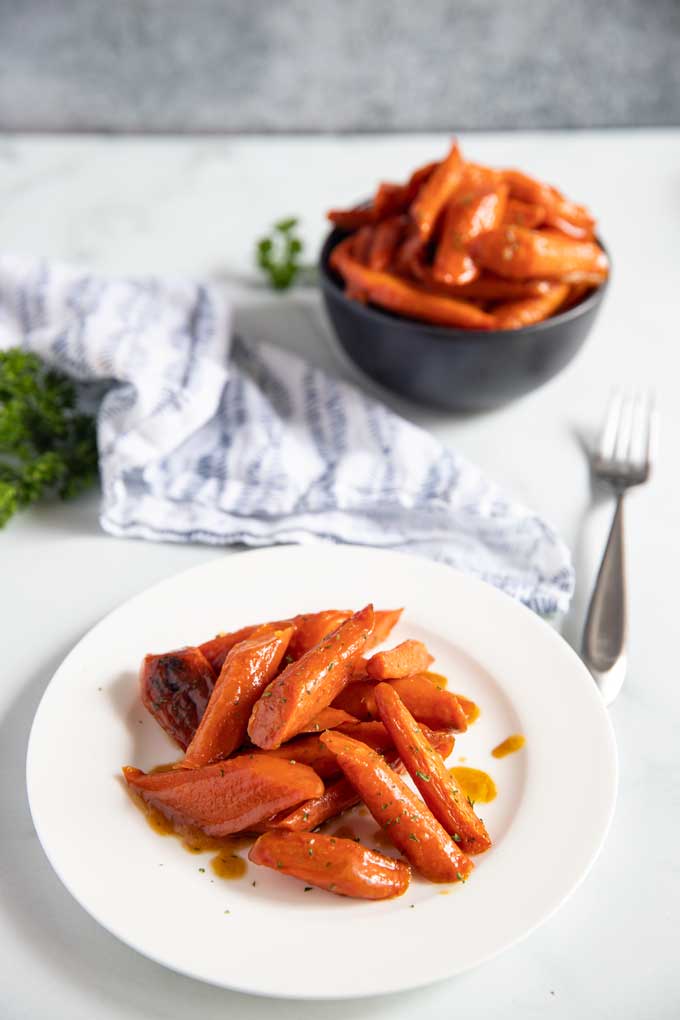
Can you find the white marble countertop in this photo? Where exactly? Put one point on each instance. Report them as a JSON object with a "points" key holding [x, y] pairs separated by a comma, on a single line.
{"points": [[195, 206]]}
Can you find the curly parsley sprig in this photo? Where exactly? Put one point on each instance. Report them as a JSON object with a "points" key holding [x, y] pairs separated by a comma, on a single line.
{"points": [[279, 255], [47, 447]]}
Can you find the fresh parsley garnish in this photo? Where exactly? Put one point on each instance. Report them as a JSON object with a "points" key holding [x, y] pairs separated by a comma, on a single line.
{"points": [[47, 447], [278, 255]]}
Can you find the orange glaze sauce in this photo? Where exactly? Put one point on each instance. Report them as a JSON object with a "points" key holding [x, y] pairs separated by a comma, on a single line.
{"points": [[477, 785], [509, 746], [437, 679], [226, 864]]}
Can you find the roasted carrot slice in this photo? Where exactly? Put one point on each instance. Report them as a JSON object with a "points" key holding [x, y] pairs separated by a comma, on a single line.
{"points": [[384, 621], [406, 659], [357, 699], [477, 175], [556, 206], [419, 177], [386, 237], [248, 669], [436, 192], [409, 258], [340, 866], [217, 649], [175, 688], [467, 215], [577, 292], [351, 219], [527, 311], [390, 200], [229, 796], [329, 719], [488, 288], [307, 750], [519, 253], [339, 794], [426, 767], [360, 245], [431, 706], [523, 214], [310, 684], [404, 298], [310, 628], [402, 815], [438, 709], [494, 288]]}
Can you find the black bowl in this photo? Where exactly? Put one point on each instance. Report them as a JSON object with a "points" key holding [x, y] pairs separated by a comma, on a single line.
{"points": [[456, 369]]}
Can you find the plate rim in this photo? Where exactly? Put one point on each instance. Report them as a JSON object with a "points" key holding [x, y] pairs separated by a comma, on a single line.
{"points": [[289, 549]]}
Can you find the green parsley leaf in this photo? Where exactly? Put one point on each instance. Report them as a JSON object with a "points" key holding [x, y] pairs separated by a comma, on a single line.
{"points": [[47, 447]]}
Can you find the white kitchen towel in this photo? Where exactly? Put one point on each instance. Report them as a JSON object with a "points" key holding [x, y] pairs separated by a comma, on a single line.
{"points": [[204, 437]]}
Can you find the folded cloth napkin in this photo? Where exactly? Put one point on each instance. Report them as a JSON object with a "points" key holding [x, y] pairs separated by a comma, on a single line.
{"points": [[204, 437]]}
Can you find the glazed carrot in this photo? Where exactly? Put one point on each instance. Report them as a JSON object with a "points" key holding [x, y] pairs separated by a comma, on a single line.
{"points": [[431, 706], [577, 292], [516, 252], [217, 648], [476, 175], [384, 621], [436, 192], [175, 688], [307, 750], [406, 659], [494, 288], [310, 684], [469, 708], [248, 669], [435, 708], [523, 214], [426, 767], [390, 200], [339, 794], [340, 866], [357, 699], [406, 299], [556, 206], [467, 215], [226, 797], [402, 815], [329, 719], [409, 258], [351, 219], [359, 246], [386, 237], [310, 628], [527, 311], [419, 177]]}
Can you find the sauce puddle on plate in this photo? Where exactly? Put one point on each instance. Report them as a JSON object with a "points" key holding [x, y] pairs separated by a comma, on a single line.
{"points": [[226, 864], [477, 785], [509, 746]]}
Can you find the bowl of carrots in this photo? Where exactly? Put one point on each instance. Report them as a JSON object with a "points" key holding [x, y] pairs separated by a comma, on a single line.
{"points": [[467, 286]]}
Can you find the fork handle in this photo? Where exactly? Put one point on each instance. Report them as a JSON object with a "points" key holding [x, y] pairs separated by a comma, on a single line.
{"points": [[605, 633]]}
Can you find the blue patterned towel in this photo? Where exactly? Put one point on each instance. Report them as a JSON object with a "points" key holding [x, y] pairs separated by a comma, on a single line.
{"points": [[207, 438]]}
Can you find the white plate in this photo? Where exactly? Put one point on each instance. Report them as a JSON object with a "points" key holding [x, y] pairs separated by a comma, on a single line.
{"points": [[555, 797]]}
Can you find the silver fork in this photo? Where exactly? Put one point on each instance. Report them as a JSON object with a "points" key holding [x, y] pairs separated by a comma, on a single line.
{"points": [[623, 459]]}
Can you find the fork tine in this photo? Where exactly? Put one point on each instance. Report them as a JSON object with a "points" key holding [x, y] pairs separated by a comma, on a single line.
{"points": [[635, 454], [625, 430], [652, 432], [607, 443]]}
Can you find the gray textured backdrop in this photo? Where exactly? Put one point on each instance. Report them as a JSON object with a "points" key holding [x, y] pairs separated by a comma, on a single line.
{"points": [[337, 65]]}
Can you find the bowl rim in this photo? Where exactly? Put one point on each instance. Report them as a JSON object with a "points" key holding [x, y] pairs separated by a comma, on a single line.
{"points": [[329, 281]]}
